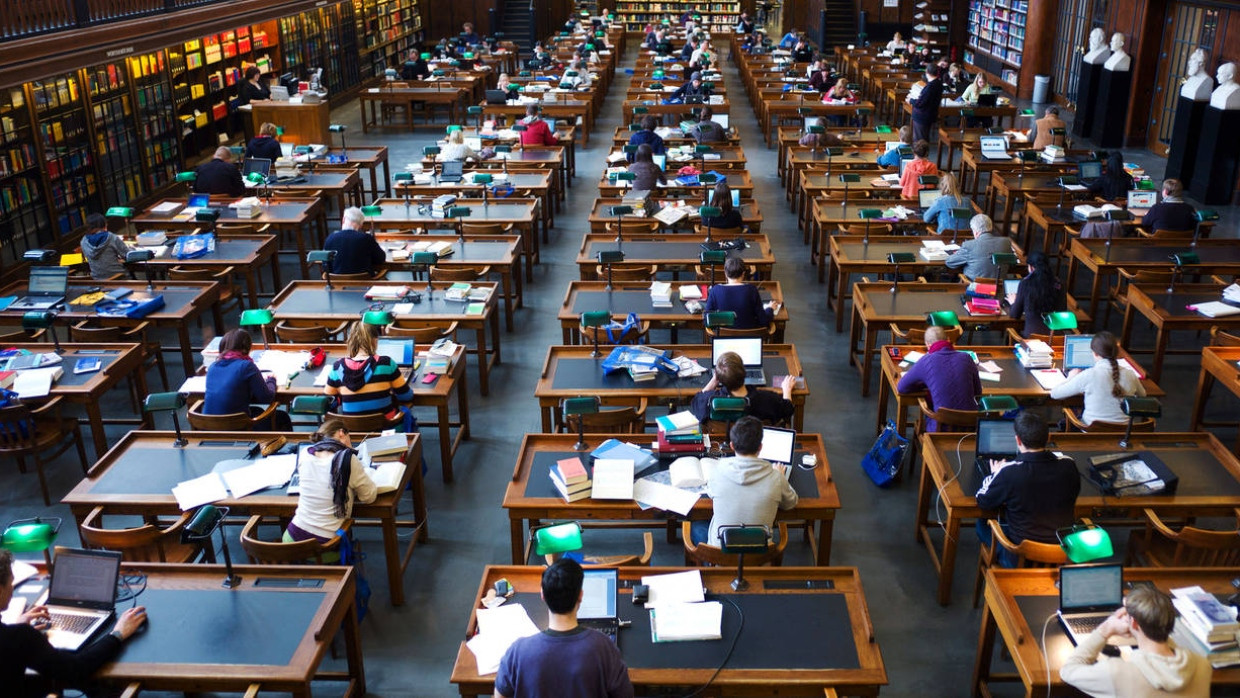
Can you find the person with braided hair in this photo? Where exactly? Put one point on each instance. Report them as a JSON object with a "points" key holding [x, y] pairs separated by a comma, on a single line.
{"points": [[1104, 384], [332, 480]]}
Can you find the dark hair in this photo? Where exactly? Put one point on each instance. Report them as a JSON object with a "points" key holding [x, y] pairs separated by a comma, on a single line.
{"points": [[933, 70], [735, 268], [251, 72], [328, 429], [746, 436], [561, 585], [705, 114], [236, 340], [1104, 345], [1031, 430], [730, 371], [722, 198], [1041, 287], [342, 465], [921, 149], [96, 221], [649, 123], [1153, 611], [644, 153], [531, 109]]}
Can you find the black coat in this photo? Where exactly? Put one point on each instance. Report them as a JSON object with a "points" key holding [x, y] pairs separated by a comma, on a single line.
{"points": [[926, 106], [219, 177]]}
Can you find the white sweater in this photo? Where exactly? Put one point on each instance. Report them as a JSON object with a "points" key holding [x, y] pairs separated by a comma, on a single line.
{"points": [[1141, 675], [316, 513], [1095, 384]]}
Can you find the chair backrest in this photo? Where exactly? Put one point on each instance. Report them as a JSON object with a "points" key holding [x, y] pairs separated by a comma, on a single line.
{"points": [[700, 554], [460, 273], [359, 276], [1146, 276], [633, 335], [263, 552], [629, 419], [917, 335], [1098, 426], [146, 543], [1030, 553], [718, 232], [859, 228], [86, 332], [362, 423], [191, 273], [948, 419], [302, 332], [628, 272], [238, 421], [1172, 234], [1198, 547], [764, 331], [641, 559], [632, 226], [418, 332], [17, 429], [1219, 338], [485, 228]]}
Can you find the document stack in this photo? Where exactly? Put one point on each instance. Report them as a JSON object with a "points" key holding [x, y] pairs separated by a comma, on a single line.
{"points": [[1231, 294], [1034, 353], [458, 291], [660, 294], [641, 201], [441, 204], [1087, 211], [1206, 626], [679, 433], [1054, 154], [571, 479]]}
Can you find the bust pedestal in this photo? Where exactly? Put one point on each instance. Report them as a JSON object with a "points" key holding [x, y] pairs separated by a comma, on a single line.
{"points": [[1111, 109], [1218, 157], [1185, 139], [1086, 99]]}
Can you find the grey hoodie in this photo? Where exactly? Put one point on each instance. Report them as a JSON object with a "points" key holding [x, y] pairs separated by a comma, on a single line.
{"points": [[747, 490], [1141, 675], [104, 252]]}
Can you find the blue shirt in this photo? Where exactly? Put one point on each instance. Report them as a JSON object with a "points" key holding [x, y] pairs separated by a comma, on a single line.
{"points": [[650, 138], [579, 662], [940, 216], [742, 299], [788, 41], [891, 158], [233, 385]]}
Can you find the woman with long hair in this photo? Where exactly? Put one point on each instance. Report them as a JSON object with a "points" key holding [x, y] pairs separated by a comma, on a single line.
{"points": [[728, 217], [332, 480], [1039, 292], [235, 385], [366, 382], [940, 212], [1115, 183], [1104, 385]]}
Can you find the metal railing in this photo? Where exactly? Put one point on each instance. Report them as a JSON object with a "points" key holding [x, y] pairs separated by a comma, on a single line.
{"points": [[26, 18]]}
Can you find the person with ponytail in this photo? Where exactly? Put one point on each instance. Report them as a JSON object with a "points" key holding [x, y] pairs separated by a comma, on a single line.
{"points": [[332, 480], [1104, 385], [1038, 293]]}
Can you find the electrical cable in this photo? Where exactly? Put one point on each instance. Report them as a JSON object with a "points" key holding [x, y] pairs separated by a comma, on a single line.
{"points": [[1046, 660], [938, 498], [731, 648], [129, 587]]}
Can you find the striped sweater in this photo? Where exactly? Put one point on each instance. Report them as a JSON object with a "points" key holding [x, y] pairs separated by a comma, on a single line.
{"points": [[367, 386]]}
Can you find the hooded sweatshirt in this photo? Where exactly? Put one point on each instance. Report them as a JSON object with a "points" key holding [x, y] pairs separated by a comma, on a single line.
{"points": [[105, 253], [747, 490], [1142, 675], [367, 385]]}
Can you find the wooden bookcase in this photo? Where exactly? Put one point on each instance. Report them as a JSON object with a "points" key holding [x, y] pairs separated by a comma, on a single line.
{"points": [[997, 37], [934, 19], [386, 31], [325, 37], [23, 206], [718, 17]]}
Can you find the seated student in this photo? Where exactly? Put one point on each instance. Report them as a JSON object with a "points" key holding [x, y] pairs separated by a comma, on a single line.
{"points": [[1115, 182], [940, 212], [706, 130], [333, 478], [897, 42], [801, 52], [921, 165], [104, 250], [891, 158], [541, 60], [949, 376], [25, 650], [728, 217], [366, 382], [1104, 384], [840, 92], [357, 252], [649, 175], [744, 489], [1157, 667], [976, 89], [1036, 492], [728, 380], [265, 145], [219, 175], [690, 88], [819, 76], [819, 140], [739, 297], [235, 385], [973, 259], [457, 149], [537, 132], [566, 659], [1038, 293], [469, 36], [954, 80], [701, 54], [790, 39], [915, 59], [1043, 128], [1172, 213], [648, 137], [686, 51], [415, 67]]}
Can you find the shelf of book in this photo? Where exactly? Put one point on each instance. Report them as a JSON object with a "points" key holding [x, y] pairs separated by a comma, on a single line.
{"points": [[23, 209], [997, 37], [117, 151], [932, 24], [325, 37], [157, 124], [68, 159], [386, 31], [717, 17]]}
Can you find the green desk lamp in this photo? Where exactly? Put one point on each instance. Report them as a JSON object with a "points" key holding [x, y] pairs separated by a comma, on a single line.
{"points": [[1181, 259], [595, 319], [1059, 321], [167, 402], [712, 259], [257, 317], [1002, 261], [340, 128], [201, 526], [324, 259], [620, 212], [943, 318], [959, 214], [1134, 407], [554, 539], [739, 540], [457, 213], [404, 180], [378, 319], [576, 407], [867, 215], [314, 405], [1025, 157], [1085, 542], [847, 179], [370, 213], [998, 403], [141, 256], [707, 213], [608, 258], [34, 535], [427, 261], [35, 320], [1064, 182], [1202, 216], [484, 178], [124, 213], [727, 410], [898, 258]]}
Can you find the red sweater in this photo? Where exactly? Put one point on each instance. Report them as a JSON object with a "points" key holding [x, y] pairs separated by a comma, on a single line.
{"points": [[537, 133]]}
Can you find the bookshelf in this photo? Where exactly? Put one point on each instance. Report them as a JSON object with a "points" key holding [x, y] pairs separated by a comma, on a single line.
{"points": [[718, 17], [115, 133], [68, 159], [933, 24], [23, 209], [326, 38], [157, 124], [997, 37], [386, 31]]}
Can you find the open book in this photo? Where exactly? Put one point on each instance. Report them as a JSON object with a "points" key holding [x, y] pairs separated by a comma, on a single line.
{"points": [[689, 471]]}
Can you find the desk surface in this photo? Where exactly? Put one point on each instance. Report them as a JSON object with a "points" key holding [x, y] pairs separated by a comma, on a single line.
{"points": [[912, 302], [495, 210], [626, 297], [839, 652], [280, 211], [473, 250], [181, 298], [85, 384], [346, 300], [1128, 252], [645, 248]]}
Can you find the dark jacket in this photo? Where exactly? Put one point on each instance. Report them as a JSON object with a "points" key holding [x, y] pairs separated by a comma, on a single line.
{"points": [[219, 177], [235, 384], [688, 89], [1037, 494], [731, 219], [1170, 215], [248, 92], [1023, 307], [22, 647], [650, 138], [926, 106], [766, 405], [263, 147], [356, 252], [648, 175], [415, 70], [742, 299]]}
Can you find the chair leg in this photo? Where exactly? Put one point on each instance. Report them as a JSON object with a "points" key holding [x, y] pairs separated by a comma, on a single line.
{"points": [[38, 467], [81, 446], [163, 371]]}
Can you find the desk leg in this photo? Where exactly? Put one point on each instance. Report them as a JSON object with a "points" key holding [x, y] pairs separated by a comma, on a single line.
{"points": [[353, 649], [514, 273], [1205, 383], [1125, 332], [985, 648], [1160, 351], [867, 359], [462, 405], [1094, 289], [842, 279], [251, 285], [516, 529], [187, 354], [445, 441], [508, 294], [391, 556], [825, 529], [484, 383], [882, 408], [95, 417], [276, 283], [947, 563]]}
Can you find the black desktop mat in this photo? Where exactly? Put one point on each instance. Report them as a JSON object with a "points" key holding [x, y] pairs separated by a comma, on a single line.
{"points": [[149, 470], [106, 358], [663, 250], [624, 300], [1036, 609], [823, 640], [539, 482], [226, 248], [352, 301], [1200, 473], [1175, 303], [909, 301], [175, 298], [1162, 254], [877, 251], [587, 374], [222, 626]]}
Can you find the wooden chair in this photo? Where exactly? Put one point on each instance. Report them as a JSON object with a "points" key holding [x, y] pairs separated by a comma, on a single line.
{"points": [[262, 552], [859, 229], [1219, 338], [152, 352], [486, 228], [420, 332], [242, 229], [1028, 554], [461, 273], [641, 559], [633, 335], [1014, 337], [1188, 547], [308, 332], [703, 555], [360, 276], [947, 419], [366, 423], [721, 233], [1118, 297], [767, 331], [1162, 234], [1074, 423], [239, 421], [29, 432], [628, 419], [22, 336], [634, 226], [145, 543], [917, 335], [627, 272]]}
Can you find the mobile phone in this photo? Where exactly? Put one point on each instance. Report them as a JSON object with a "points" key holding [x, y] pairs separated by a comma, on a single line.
{"points": [[430, 378]]}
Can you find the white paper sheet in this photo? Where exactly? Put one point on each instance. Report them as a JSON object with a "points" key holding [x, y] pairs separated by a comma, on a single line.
{"points": [[194, 385], [664, 497], [498, 628], [613, 479], [201, 490], [677, 587], [272, 471], [681, 622]]}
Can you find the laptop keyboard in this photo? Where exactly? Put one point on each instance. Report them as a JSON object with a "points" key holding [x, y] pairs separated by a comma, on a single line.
{"points": [[71, 623], [1084, 625]]}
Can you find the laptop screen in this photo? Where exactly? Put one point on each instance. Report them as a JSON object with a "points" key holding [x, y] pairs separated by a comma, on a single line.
{"points": [[259, 165], [474, 142], [400, 351], [1011, 286], [199, 200], [85, 577], [1142, 199], [1085, 587], [1077, 352], [777, 445], [661, 161], [996, 437], [927, 197], [598, 593], [736, 198], [721, 119], [1089, 170], [453, 167], [993, 142], [48, 281], [748, 348]]}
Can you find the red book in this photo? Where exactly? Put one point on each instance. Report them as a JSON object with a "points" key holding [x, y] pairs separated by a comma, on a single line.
{"points": [[666, 446], [572, 470]]}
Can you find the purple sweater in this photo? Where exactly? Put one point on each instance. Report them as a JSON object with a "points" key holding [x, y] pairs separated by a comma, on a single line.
{"points": [[948, 375]]}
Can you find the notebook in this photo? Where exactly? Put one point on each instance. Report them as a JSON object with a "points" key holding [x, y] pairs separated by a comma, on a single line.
{"points": [[995, 147], [45, 289], [452, 171], [82, 596], [599, 588], [750, 351], [1088, 594], [996, 440], [778, 445], [1077, 352]]}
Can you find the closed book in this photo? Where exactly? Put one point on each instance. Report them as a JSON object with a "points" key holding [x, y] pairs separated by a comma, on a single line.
{"points": [[677, 423], [7, 378], [666, 447], [571, 496], [562, 486], [572, 470]]}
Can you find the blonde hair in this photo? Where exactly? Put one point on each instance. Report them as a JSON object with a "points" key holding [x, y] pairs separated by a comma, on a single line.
{"points": [[268, 129], [948, 185], [457, 137], [906, 134], [1153, 611], [362, 340]]}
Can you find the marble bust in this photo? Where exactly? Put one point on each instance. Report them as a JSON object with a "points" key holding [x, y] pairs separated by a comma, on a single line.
{"points": [[1198, 85], [1119, 61], [1098, 51], [1227, 95]]}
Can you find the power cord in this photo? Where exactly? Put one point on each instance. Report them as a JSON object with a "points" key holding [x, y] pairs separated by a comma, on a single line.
{"points": [[1046, 660], [938, 499], [129, 587], [731, 648]]}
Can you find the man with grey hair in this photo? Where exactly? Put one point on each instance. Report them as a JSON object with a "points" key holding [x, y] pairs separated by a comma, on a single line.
{"points": [[973, 257], [357, 252]]}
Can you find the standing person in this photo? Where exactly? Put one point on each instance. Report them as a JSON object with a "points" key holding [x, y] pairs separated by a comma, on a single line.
{"points": [[104, 250], [366, 382], [1172, 213], [469, 36], [357, 252], [566, 659], [265, 145], [940, 212], [745, 490], [647, 136], [729, 381], [1104, 385], [236, 386], [1043, 126], [744, 25], [926, 106], [537, 132], [648, 174], [973, 259], [741, 298], [1036, 492], [920, 165], [219, 175], [790, 39], [1115, 183], [949, 376], [1038, 293], [1157, 667], [333, 479], [706, 130]]}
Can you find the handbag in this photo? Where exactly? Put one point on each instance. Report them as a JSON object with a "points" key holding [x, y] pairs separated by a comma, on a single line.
{"points": [[351, 555], [885, 458], [617, 329]]}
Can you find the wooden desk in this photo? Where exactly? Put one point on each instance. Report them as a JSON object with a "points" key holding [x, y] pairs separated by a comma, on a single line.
{"points": [[1011, 187], [374, 100], [117, 362], [137, 476], [823, 661], [1209, 486], [1167, 313], [1053, 215], [826, 217], [1014, 380], [788, 107], [543, 184], [622, 134], [369, 158], [601, 215], [852, 254], [303, 123], [999, 113], [668, 252], [738, 180], [312, 300], [572, 109], [630, 297], [570, 371], [1218, 364], [731, 158], [565, 136], [342, 186], [184, 302], [1018, 602], [973, 165], [244, 253]]}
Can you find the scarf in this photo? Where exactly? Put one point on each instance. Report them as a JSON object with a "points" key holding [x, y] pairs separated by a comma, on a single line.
{"points": [[341, 473], [939, 346], [235, 355]]}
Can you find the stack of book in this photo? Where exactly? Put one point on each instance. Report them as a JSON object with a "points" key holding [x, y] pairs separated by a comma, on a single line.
{"points": [[1054, 154], [571, 479], [660, 294], [1034, 353], [679, 433], [1206, 626], [441, 204], [641, 201], [458, 291]]}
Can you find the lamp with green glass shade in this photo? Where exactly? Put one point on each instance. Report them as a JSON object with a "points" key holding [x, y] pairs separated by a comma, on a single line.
{"points": [[1181, 259], [34, 320], [867, 215], [863, 117], [831, 153], [340, 128], [928, 180], [1064, 182], [1202, 216], [39, 256], [142, 256], [324, 259], [655, 86], [1085, 543], [430, 151], [1025, 157], [959, 214], [595, 319], [1133, 407], [719, 318], [1002, 261], [882, 128], [34, 535], [707, 213], [898, 258], [630, 149], [727, 410], [943, 318], [257, 317], [314, 405], [712, 259], [167, 402], [119, 212], [847, 179], [1061, 321], [997, 403], [554, 539], [425, 260], [620, 212], [739, 540], [575, 407], [188, 177], [626, 176], [453, 127], [702, 149], [608, 258], [378, 318]]}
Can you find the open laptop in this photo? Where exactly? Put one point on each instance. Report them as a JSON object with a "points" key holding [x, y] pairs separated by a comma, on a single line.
{"points": [[778, 445], [660, 160], [400, 351], [199, 201], [927, 197], [996, 440], [45, 289], [995, 147], [1088, 594], [736, 198], [1088, 170], [750, 351], [1011, 286], [988, 99], [82, 595], [262, 166], [599, 588], [452, 171], [1141, 199], [497, 96], [474, 142], [1077, 352]]}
